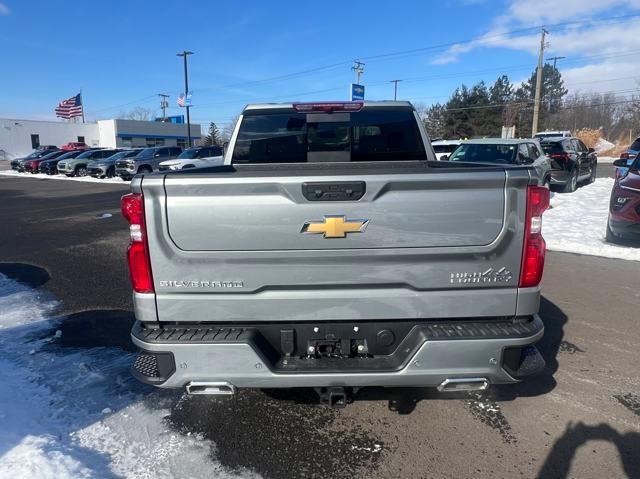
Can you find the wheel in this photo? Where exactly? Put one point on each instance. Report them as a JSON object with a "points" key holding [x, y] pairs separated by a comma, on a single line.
{"points": [[572, 183], [144, 170], [111, 172], [594, 173], [611, 236], [81, 171]]}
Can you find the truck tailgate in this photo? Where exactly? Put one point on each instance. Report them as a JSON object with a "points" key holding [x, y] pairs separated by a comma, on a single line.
{"points": [[266, 214], [254, 246]]}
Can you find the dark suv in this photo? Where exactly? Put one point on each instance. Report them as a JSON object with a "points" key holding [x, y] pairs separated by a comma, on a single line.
{"points": [[624, 207], [50, 166], [571, 162], [33, 165], [18, 163], [146, 161]]}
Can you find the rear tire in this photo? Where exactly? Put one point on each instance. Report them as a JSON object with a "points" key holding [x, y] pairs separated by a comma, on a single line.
{"points": [[111, 172], [144, 170], [611, 237], [572, 183], [80, 171], [594, 173]]}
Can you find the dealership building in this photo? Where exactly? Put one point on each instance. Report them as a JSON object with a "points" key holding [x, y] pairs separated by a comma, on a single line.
{"points": [[20, 137]]}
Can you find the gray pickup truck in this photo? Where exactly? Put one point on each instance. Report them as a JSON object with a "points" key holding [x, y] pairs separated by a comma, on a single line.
{"points": [[332, 251]]}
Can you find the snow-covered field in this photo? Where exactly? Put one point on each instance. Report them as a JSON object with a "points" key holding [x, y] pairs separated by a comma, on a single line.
{"points": [[77, 413], [41, 176], [577, 223]]}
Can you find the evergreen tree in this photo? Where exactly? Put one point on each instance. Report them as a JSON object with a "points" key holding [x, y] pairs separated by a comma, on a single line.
{"points": [[551, 96], [434, 121], [213, 137]]}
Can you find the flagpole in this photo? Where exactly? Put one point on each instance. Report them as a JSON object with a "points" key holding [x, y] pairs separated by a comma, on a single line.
{"points": [[82, 103]]}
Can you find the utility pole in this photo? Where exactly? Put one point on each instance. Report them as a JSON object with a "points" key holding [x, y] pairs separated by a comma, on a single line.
{"points": [[536, 105], [184, 55], [555, 59], [359, 69], [164, 104], [395, 88]]}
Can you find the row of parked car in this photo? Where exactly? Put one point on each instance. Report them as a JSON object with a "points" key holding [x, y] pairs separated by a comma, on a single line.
{"points": [[109, 162], [562, 161]]}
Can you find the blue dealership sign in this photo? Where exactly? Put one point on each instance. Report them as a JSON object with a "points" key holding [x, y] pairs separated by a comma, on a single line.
{"points": [[357, 92]]}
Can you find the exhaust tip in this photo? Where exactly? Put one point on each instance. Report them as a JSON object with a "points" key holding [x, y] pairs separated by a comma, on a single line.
{"points": [[463, 384], [211, 388]]}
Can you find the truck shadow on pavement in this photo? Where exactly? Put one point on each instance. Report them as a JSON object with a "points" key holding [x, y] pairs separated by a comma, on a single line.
{"points": [[558, 461]]}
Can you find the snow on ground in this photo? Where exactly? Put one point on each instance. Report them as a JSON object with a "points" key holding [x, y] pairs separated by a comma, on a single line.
{"points": [[577, 223], [603, 145], [42, 176], [607, 159], [76, 413]]}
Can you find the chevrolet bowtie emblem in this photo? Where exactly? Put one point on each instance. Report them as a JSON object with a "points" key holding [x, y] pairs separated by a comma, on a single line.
{"points": [[334, 226]]}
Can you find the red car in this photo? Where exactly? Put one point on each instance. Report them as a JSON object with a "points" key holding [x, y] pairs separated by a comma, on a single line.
{"points": [[624, 207], [32, 165], [75, 145]]}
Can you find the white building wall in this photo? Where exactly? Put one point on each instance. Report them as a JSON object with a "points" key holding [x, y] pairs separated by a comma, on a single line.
{"points": [[107, 130], [15, 135]]}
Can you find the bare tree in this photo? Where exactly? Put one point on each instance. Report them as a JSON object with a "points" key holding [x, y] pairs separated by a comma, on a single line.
{"points": [[141, 114], [227, 130]]}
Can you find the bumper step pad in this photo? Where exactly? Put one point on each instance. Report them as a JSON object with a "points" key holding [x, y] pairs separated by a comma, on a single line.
{"points": [[265, 340]]}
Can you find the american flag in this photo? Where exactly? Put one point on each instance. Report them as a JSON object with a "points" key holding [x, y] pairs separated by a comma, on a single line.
{"points": [[70, 108], [184, 100]]}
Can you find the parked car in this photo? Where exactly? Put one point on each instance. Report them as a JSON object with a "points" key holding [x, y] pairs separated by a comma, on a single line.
{"points": [[33, 165], [196, 157], [17, 164], [146, 161], [50, 167], [78, 166], [75, 145], [571, 162], [106, 167], [553, 134], [444, 147], [505, 152], [624, 207], [629, 155]]}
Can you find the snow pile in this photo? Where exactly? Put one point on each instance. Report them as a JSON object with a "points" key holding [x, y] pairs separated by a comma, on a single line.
{"points": [[42, 176], [603, 145], [577, 223], [75, 413]]}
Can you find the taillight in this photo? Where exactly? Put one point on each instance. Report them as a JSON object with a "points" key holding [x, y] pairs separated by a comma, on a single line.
{"points": [[132, 206], [559, 156], [534, 246], [328, 107]]}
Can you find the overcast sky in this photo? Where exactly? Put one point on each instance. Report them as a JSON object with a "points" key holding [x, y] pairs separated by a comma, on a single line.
{"points": [[122, 53]]}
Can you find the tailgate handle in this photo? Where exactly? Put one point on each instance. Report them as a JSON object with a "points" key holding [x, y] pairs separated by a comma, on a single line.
{"points": [[334, 191]]}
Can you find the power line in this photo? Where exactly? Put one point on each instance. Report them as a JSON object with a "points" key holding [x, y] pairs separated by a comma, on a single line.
{"points": [[380, 57], [123, 104]]}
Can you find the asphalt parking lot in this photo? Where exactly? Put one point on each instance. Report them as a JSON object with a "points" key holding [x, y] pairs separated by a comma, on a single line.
{"points": [[580, 418]]}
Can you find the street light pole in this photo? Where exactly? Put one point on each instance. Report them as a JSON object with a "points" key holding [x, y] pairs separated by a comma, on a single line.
{"points": [[184, 55]]}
